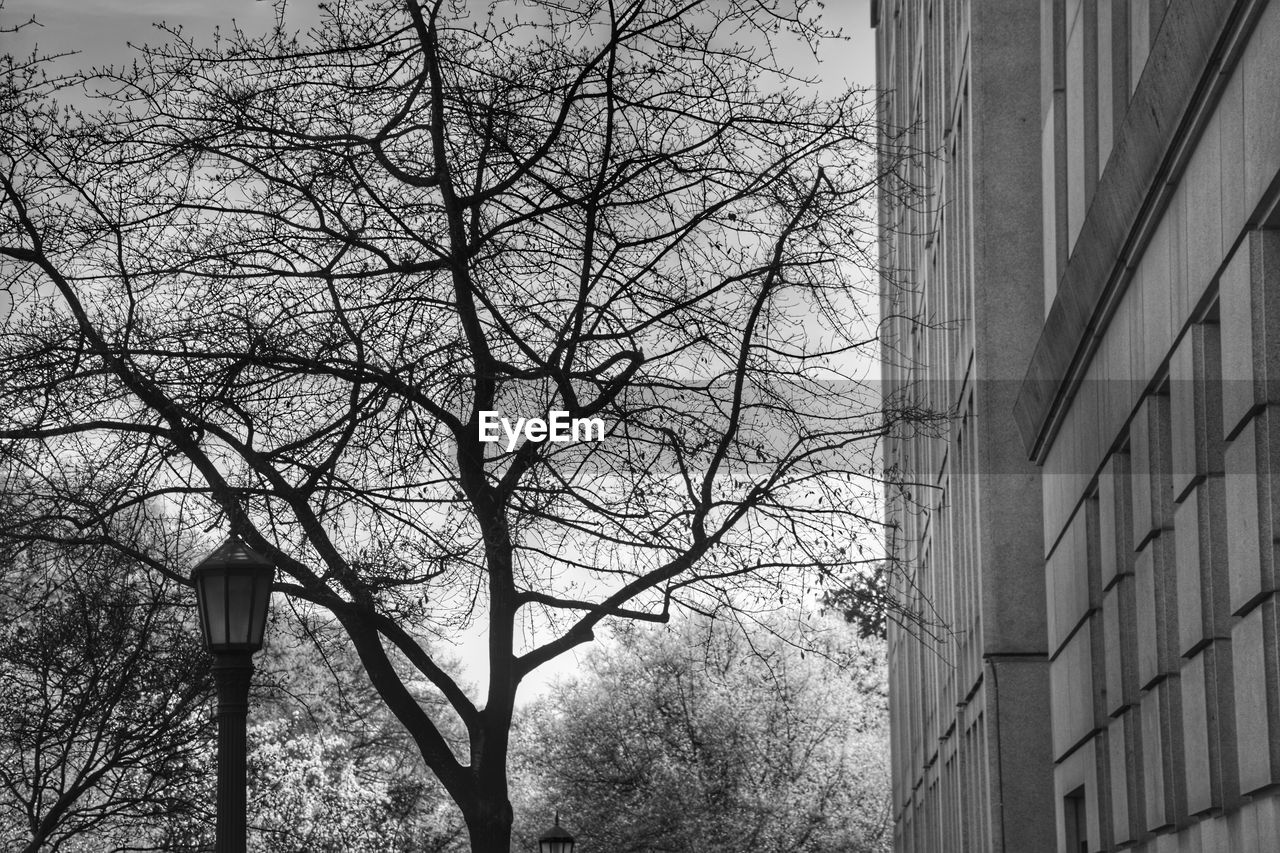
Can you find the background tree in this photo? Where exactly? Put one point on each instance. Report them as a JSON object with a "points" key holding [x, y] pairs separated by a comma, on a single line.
{"points": [[864, 600], [104, 719], [271, 284], [713, 738]]}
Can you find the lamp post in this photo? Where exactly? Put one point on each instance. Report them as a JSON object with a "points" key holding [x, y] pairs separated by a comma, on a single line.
{"points": [[233, 591], [556, 839]]}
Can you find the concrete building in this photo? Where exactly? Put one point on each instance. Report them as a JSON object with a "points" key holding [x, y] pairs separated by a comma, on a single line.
{"points": [[969, 686], [1090, 281]]}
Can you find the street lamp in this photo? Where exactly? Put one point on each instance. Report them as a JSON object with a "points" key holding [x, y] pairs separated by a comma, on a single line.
{"points": [[233, 590], [555, 839]]}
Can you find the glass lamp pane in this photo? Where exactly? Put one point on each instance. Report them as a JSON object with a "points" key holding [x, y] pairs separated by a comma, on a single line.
{"points": [[214, 589], [261, 600], [239, 606]]}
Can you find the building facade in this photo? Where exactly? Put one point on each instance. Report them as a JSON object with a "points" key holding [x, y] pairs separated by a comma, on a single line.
{"points": [[1090, 282], [970, 678]]}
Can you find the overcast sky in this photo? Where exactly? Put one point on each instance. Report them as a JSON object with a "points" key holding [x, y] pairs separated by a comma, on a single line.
{"points": [[100, 30]]}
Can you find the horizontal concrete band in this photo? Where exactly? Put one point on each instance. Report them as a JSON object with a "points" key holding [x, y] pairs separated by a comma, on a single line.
{"points": [[1181, 72]]}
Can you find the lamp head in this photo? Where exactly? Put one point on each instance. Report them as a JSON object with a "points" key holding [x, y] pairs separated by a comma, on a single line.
{"points": [[555, 839], [233, 590]]}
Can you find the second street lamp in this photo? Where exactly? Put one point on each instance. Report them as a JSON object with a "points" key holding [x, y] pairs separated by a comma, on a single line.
{"points": [[233, 591], [556, 839]]}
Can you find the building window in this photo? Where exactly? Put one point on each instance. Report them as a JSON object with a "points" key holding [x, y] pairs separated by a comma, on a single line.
{"points": [[1077, 825]]}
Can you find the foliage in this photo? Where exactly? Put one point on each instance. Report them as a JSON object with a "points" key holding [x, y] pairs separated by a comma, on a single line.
{"points": [[330, 769], [706, 737], [312, 791], [863, 599], [272, 283]]}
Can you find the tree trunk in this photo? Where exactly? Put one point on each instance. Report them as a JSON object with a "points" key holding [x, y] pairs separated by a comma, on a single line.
{"points": [[489, 824]]}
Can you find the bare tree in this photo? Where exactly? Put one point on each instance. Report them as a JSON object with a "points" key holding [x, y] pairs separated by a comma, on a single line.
{"points": [[278, 284]]}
